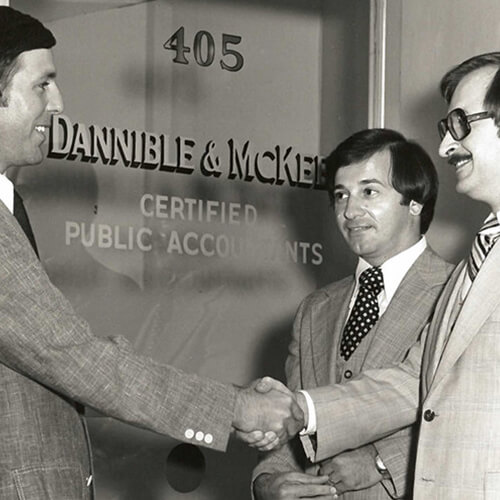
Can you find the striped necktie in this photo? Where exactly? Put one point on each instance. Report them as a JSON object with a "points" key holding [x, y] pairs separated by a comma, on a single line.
{"points": [[483, 243], [365, 311]]}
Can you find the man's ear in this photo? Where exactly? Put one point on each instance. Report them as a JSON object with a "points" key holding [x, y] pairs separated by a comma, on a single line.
{"points": [[415, 207]]}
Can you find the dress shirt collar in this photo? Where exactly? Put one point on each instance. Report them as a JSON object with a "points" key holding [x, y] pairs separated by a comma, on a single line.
{"points": [[7, 192], [395, 268]]}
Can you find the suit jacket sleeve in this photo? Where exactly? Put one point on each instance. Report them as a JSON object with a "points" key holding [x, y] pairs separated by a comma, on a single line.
{"points": [[396, 453], [43, 338], [377, 404]]}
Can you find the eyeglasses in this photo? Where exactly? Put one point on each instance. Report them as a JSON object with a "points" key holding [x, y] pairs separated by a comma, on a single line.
{"points": [[458, 123]]}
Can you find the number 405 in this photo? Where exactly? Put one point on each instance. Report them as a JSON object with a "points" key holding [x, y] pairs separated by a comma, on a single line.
{"points": [[204, 49]]}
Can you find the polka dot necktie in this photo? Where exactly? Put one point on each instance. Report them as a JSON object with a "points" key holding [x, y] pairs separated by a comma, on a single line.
{"points": [[483, 243], [365, 312]]}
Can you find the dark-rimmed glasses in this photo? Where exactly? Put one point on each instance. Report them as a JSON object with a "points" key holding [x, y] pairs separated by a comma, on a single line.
{"points": [[458, 123]]}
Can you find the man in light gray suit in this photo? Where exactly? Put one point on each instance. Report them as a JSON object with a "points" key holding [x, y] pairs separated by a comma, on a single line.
{"points": [[450, 381], [50, 362], [383, 189]]}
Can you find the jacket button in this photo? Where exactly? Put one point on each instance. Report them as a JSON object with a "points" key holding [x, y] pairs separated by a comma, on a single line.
{"points": [[348, 374], [429, 415]]}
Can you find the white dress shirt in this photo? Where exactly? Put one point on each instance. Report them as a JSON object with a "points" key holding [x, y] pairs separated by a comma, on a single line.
{"points": [[393, 271], [7, 192]]}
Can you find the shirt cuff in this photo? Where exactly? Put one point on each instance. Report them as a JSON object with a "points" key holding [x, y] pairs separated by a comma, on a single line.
{"points": [[311, 416]]}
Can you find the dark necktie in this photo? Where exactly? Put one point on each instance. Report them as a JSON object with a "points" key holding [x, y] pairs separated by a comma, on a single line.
{"points": [[22, 217], [483, 243], [365, 311]]}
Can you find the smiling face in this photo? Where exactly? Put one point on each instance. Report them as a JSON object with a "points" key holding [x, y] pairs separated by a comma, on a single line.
{"points": [[369, 213], [476, 158], [31, 97]]}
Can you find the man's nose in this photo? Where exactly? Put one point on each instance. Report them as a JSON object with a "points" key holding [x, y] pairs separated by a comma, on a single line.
{"points": [[353, 208], [448, 146], [55, 104]]}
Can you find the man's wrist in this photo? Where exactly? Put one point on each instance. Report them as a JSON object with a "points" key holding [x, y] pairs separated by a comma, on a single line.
{"points": [[238, 408], [306, 403]]}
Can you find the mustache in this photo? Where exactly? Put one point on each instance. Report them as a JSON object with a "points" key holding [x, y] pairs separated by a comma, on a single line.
{"points": [[458, 157]]}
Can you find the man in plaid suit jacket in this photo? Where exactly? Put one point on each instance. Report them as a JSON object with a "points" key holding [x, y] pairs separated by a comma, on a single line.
{"points": [[50, 362], [383, 189]]}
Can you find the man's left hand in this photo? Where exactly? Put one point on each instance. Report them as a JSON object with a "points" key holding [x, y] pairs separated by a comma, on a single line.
{"points": [[352, 470]]}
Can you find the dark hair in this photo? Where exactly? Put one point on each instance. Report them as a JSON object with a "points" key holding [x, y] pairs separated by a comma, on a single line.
{"points": [[453, 77], [19, 33], [413, 174], [8, 62]]}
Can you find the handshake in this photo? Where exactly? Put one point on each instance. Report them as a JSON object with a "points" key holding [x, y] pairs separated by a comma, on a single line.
{"points": [[268, 414]]}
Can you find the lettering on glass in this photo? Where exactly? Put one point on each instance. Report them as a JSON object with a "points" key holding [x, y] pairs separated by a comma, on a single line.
{"points": [[205, 50]]}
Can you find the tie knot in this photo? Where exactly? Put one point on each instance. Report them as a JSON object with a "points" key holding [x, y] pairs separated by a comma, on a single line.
{"points": [[483, 243], [490, 230], [372, 279]]}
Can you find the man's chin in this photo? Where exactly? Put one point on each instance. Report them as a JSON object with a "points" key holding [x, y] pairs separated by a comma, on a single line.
{"points": [[462, 187], [35, 159], [358, 249], [26, 164]]}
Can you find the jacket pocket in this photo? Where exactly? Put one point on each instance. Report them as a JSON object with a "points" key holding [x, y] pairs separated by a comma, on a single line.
{"points": [[492, 486], [54, 482]]}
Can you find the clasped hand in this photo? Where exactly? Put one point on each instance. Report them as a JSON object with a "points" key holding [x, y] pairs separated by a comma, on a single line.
{"points": [[267, 414], [352, 470]]}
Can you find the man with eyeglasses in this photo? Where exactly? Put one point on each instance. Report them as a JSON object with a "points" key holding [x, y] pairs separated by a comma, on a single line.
{"points": [[450, 381]]}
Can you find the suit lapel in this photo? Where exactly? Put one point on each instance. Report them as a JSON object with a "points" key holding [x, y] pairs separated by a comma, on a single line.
{"points": [[327, 320], [440, 325], [481, 301], [395, 324]]}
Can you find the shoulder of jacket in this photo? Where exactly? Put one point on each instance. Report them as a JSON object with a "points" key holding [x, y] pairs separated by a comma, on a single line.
{"points": [[433, 268], [328, 291]]}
